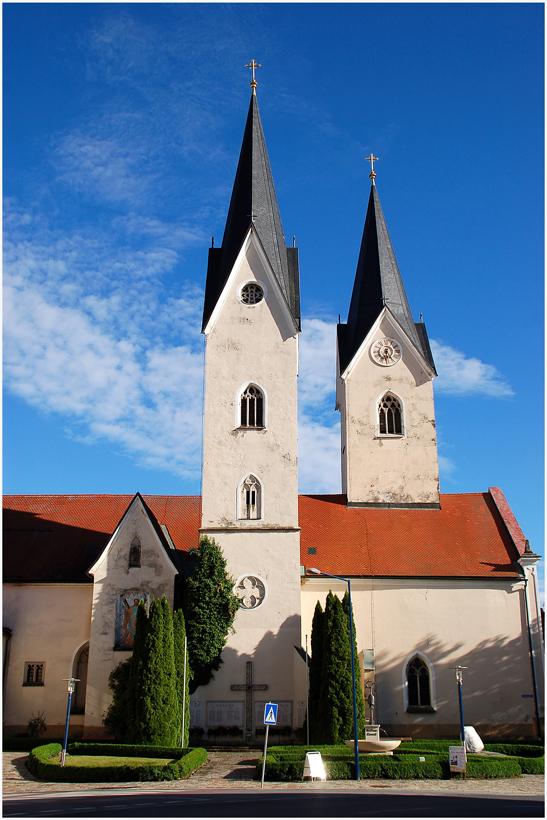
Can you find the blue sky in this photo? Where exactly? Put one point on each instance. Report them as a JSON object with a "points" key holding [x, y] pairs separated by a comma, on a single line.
{"points": [[122, 129]]}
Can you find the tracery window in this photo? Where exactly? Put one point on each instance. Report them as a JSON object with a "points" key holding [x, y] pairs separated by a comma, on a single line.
{"points": [[135, 553], [419, 684], [252, 407], [251, 294], [390, 416], [250, 499]]}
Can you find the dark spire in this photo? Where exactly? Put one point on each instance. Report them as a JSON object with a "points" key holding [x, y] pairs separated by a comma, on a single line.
{"points": [[253, 203], [378, 284]]}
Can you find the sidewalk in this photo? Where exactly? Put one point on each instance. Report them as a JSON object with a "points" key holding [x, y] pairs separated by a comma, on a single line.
{"points": [[234, 771]]}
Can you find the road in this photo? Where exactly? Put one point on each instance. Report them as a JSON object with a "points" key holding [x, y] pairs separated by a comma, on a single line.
{"points": [[133, 803]]}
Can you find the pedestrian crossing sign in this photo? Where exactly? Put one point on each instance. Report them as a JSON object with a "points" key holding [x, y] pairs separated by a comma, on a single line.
{"points": [[270, 714]]}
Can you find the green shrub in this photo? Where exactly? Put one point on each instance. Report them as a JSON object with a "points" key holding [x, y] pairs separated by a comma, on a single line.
{"points": [[287, 763], [487, 768], [187, 761], [515, 749]]}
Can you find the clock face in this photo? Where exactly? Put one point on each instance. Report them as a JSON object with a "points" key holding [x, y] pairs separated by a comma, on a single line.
{"points": [[386, 352]]}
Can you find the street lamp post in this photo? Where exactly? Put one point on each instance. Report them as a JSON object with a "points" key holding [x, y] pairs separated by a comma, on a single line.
{"points": [[459, 681], [355, 731], [70, 688]]}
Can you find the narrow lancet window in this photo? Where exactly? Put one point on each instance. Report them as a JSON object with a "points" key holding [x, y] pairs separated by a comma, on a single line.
{"points": [[250, 499], [135, 553], [390, 417], [252, 407], [419, 689]]}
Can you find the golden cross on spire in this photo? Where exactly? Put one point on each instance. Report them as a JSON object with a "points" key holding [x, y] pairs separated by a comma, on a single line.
{"points": [[372, 160], [252, 65]]}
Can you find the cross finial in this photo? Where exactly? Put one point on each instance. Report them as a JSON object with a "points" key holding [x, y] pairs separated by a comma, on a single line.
{"points": [[372, 160], [252, 65]]}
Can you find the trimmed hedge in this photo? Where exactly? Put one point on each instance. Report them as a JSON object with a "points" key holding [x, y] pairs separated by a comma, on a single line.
{"points": [[287, 763], [185, 762]]}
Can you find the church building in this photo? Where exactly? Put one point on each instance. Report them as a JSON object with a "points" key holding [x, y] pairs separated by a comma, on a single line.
{"points": [[438, 580]]}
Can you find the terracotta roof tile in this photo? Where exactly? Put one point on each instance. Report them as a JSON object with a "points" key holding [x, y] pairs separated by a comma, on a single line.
{"points": [[466, 537], [57, 538]]}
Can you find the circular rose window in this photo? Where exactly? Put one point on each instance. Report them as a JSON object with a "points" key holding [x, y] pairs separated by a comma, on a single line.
{"points": [[251, 294], [251, 591]]}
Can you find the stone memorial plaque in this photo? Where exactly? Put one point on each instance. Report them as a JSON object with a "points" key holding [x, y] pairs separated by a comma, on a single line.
{"points": [[225, 713], [284, 713], [300, 712], [196, 713]]}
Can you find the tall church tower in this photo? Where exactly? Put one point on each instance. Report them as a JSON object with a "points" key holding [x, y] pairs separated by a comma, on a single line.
{"points": [[384, 384], [251, 322]]}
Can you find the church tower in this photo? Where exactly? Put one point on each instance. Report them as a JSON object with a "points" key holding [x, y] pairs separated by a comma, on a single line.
{"points": [[384, 383], [251, 323]]}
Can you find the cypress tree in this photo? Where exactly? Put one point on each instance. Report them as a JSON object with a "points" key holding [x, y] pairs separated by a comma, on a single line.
{"points": [[169, 695], [209, 610], [124, 681], [179, 633], [337, 690], [315, 716], [358, 689]]}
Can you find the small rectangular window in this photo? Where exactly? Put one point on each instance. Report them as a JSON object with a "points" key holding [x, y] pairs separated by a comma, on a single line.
{"points": [[34, 673]]}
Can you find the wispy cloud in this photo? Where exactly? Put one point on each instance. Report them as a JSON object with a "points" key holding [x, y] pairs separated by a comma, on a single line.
{"points": [[466, 376], [104, 351]]}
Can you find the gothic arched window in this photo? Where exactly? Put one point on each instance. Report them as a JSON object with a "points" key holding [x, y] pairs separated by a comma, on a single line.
{"points": [[135, 553], [390, 416], [419, 683], [250, 500], [252, 407]]}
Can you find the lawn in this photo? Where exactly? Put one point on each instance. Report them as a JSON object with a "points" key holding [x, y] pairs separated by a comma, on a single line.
{"points": [[98, 761]]}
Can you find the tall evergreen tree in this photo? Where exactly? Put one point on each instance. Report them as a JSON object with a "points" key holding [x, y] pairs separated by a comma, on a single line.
{"points": [[331, 682], [315, 716], [145, 707], [337, 693], [209, 609], [360, 699], [170, 700], [120, 717], [179, 633]]}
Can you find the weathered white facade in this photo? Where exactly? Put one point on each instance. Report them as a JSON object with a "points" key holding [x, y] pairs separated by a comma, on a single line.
{"points": [[399, 468], [437, 580]]}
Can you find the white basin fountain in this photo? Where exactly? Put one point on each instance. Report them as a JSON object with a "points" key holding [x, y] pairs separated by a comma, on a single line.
{"points": [[372, 743]]}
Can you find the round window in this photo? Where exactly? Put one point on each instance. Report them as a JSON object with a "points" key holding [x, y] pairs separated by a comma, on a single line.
{"points": [[251, 294]]}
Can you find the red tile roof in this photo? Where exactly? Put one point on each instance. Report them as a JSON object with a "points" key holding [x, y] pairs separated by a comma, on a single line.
{"points": [[57, 538], [467, 537]]}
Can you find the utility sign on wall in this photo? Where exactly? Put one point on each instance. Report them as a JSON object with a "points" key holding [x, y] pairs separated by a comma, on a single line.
{"points": [[270, 714]]}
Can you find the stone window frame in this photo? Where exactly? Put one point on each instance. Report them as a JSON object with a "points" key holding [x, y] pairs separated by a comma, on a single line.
{"points": [[432, 706], [253, 283], [387, 435], [238, 405], [244, 501], [36, 671]]}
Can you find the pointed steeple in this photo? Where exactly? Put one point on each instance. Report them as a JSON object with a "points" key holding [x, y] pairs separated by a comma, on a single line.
{"points": [[378, 284], [254, 205]]}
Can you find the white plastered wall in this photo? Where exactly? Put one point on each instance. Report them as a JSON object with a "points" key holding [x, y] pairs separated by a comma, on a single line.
{"points": [[113, 576], [49, 622], [250, 344], [478, 624], [388, 469], [255, 344]]}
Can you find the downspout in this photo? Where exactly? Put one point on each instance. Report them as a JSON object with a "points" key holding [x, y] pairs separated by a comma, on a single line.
{"points": [[6, 641], [527, 559]]}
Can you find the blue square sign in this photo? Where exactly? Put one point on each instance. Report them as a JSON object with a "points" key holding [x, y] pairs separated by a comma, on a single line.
{"points": [[270, 714]]}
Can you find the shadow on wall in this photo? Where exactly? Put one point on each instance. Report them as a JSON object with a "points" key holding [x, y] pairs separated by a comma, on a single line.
{"points": [[498, 690]]}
